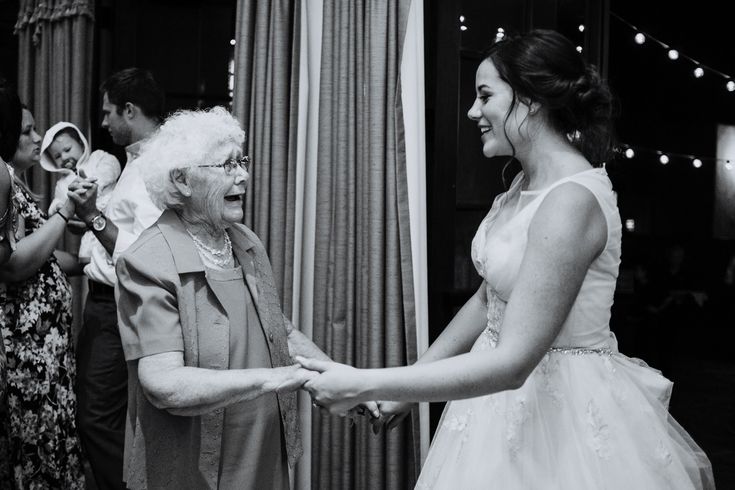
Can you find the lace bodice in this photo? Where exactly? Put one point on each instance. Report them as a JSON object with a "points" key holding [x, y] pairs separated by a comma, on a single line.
{"points": [[499, 246]]}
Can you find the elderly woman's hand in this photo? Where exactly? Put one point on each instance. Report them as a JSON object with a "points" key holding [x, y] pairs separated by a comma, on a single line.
{"points": [[339, 388], [290, 378]]}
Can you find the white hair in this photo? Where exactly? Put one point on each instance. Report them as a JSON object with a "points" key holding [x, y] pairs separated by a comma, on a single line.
{"points": [[187, 138]]}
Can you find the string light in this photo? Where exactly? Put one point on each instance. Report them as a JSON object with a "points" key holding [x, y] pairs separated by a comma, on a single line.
{"points": [[700, 68], [579, 49], [581, 27], [665, 157]]}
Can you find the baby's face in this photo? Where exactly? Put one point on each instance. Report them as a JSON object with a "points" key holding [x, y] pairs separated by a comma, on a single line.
{"points": [[65, 151]]}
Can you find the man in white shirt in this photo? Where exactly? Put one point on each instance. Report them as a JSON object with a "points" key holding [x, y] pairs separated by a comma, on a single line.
{"points": [[132, 107]]}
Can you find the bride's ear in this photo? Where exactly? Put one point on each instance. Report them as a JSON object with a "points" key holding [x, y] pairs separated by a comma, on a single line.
{"points": [[180, 179]]}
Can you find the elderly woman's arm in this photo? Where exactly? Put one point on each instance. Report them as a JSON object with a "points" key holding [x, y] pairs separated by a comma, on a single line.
{"points": [[300, 345], [190, 391]]}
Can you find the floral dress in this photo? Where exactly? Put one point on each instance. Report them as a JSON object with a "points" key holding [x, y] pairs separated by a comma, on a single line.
{"points": [[39, 447]]}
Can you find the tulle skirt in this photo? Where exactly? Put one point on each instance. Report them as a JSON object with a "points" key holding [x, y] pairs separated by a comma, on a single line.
{"points": [[584, 419]]}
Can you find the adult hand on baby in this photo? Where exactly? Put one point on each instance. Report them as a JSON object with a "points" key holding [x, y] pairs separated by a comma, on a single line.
{"points": [[338, 388]]}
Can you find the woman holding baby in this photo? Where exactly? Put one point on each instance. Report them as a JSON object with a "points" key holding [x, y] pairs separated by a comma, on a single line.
{"points": [[39, 447]]}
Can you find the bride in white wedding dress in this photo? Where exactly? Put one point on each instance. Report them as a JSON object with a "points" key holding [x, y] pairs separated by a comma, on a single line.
{"points": [[540, 397]]}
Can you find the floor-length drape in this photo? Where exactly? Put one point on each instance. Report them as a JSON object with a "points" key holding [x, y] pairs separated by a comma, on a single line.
{"points": [[55, 39], [306, 192], [414, 121], [364, 313], [265, 102], [322, 109]]}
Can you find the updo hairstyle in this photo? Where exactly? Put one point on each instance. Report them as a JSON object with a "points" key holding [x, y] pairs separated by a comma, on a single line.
{"points": [[543, 66]]}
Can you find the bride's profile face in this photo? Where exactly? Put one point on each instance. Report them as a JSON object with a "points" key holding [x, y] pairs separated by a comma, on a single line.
{"points": [[498, 113]]}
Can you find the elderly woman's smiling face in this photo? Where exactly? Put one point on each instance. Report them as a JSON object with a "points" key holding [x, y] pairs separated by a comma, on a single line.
{"points": [[217, 190]]}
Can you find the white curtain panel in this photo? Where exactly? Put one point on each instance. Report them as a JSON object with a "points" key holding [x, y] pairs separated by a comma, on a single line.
{"points": [[306, 190], [414, 120]]}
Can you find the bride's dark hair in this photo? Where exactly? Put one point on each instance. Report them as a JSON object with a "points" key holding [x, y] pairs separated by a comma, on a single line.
{"points": [[543, 66]]}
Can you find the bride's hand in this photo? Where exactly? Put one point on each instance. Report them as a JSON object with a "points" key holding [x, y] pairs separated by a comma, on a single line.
{"points": [[338, 388], [391, 414]]}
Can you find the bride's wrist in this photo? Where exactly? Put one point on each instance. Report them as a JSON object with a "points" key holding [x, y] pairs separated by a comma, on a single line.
{"points": [[370, 384]]}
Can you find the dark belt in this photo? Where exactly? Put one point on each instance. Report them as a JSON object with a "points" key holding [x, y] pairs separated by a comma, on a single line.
{"points": [[99, 289]]}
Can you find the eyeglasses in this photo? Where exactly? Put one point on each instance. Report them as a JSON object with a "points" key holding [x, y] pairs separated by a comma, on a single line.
{"points": [[231, 165]]}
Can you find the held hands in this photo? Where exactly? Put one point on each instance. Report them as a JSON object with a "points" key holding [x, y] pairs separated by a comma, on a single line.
{"points": [[290, 378], [339, 388], [391, 414], [83, 194]]}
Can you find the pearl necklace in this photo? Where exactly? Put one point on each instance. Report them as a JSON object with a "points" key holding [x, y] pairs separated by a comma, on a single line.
{"points": [[219, 258]]}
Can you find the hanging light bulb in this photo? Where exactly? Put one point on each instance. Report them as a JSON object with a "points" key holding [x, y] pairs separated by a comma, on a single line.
{"points": [[461, 18], [673, 54], [579, 49], [697, 163], [730, 86], [629, 153], [581, 28], [664, 159], [463, 28], [639, 38], [698, 72]]}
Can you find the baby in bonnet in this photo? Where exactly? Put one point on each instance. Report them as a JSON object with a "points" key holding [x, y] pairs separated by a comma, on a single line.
{"points": [[65, 151]]}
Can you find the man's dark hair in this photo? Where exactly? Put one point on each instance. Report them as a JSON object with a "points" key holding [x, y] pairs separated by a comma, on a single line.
{"points": [[138, 87], [11, 118]]}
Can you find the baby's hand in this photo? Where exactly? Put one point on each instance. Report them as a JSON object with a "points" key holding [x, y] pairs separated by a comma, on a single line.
{"points": [[83, 175]]}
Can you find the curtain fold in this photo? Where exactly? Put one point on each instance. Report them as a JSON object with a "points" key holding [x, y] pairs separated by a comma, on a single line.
{"points": [[329, 198], [306, 192], [265, 101], [364, 313], [414, 121], [55, 41]]}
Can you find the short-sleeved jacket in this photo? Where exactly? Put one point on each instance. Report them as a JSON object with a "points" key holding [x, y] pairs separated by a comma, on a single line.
{"points": [[162, 282]]}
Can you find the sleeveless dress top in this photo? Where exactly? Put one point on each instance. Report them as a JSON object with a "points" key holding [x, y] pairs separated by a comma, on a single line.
{"points": [[587, 417]]}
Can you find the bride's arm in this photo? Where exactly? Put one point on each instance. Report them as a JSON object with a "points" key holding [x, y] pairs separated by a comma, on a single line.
{"points": [[565, 236], [462, 331]]}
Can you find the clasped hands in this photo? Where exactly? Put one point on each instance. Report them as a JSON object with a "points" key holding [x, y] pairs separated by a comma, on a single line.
{"points": [[83, 193], [344, 390]]}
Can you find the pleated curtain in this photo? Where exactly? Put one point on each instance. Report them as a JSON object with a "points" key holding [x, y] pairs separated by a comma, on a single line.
{"points": [[55, 41], [266, 88], [363, 297], [317, 88]]}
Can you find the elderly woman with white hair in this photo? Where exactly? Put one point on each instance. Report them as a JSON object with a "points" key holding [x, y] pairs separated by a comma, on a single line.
{"points": [[211, 377]]}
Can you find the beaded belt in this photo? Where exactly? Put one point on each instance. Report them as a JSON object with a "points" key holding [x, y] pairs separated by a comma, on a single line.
{"points": [[574, 351]]}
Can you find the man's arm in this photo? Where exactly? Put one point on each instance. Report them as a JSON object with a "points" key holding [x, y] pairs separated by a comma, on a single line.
{"points": [[86, 208]]}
